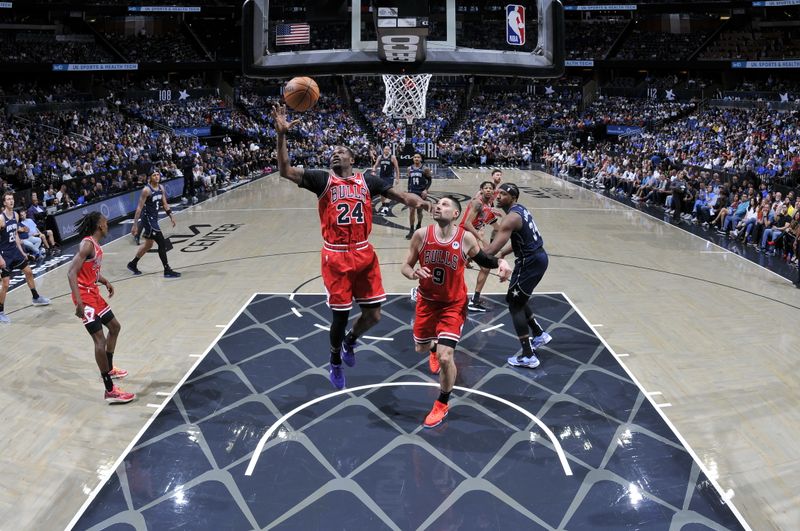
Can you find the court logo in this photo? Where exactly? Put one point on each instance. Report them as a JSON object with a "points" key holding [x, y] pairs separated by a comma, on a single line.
{"points": [[515, 24]]}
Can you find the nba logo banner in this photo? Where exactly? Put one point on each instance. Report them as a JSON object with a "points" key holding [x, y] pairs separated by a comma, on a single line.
{"points": [[515, 24]]}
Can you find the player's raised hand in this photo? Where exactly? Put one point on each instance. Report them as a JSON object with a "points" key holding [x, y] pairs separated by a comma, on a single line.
{"points": [[282, 126]]}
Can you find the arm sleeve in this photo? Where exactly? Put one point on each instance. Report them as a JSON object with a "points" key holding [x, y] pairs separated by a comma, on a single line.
{"points": [[484, 260], [376, 186], [314, 180]]}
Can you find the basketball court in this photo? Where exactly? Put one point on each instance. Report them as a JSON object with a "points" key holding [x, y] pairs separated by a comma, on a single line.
{"points": [[219, 356]]}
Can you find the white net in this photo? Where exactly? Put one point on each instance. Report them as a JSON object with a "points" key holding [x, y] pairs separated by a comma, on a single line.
{"points": [[405, 96]]}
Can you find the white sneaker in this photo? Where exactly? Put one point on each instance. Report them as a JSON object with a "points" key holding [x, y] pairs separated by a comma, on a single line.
{"points": [[4, 319], [522, 361], [541, 340], [40, 301]]}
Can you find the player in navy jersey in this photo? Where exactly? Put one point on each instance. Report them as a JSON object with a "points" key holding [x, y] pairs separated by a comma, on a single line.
{"points": [[529, 268], [442, 250], [12, 257], [350, 268], [388, 170], [419, 180], [152, 197]]}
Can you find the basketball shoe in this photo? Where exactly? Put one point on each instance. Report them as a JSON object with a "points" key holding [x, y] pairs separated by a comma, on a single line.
{"points": [[349, 353], [336, 376], [169, 273], [437, 415], [40, 301], [133, 269], [522, 361], [4, 319], [118, 396], [540, 340], [116, 372], [433, 363]]}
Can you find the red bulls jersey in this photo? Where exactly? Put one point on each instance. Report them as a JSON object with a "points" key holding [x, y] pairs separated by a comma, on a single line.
{"points": [[344, 211], [90, 270], [446, 262], [484, 217]]}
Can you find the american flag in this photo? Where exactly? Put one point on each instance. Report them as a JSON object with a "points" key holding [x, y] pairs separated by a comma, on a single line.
{"points": [[286, 34]]}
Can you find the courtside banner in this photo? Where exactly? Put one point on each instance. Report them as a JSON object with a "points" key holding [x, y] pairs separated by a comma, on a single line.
{"points": [[609, 7], [766, 64], [586, 63], [164, 9], [6, 5], [93, 67], [776, 3]]}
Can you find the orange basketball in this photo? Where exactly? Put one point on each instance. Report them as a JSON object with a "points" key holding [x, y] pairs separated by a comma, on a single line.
{"points": [[301, 93]]}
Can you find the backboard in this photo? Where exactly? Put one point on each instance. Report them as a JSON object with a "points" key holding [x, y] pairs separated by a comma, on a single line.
{"points": [[338, 37]]}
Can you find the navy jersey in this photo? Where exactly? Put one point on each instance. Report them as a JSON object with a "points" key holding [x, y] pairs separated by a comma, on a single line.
{"points": [[416, 179], [386, 168], [526, 240], [8, 236], [151, 206]]}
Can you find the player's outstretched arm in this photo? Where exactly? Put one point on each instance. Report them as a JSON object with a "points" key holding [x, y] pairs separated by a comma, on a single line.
{"points": [[413, 256], [473, 250], [410, 200], [282, 127], [508, 224]]}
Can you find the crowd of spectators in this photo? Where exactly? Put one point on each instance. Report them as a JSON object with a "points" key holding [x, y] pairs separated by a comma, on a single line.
{"points": [[591, 39], [24, 47], [146, 48], [750, 43], [660, 46]]}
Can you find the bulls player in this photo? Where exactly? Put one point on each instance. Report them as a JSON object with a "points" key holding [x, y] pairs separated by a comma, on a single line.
{"points": [[442, 250], [480, 214], [529, 268], [350, 268], [152, 197], [388, 170], [419, 180], [12, 257], [84, 276]]}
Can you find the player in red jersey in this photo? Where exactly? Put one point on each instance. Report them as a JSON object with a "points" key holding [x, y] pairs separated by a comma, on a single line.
{"points": [[350, 268], [442, 251], [480, 214], [84, 275]]}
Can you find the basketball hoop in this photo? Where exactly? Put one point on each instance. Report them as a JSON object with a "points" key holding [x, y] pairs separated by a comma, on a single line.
{"points": [[405, 96]]}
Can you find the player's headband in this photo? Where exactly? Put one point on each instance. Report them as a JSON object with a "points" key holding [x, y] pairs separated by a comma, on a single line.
{"points": [[510, 189]]}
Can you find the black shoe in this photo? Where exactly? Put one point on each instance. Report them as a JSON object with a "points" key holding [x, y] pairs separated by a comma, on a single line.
{"points": [[419, 225], [409, 235], [169, 273], [476, 307], [133, 269]]}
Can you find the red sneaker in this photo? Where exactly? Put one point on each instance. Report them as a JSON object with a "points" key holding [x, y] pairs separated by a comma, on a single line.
{"points": [[433, 363], [116, 372], [437, 415], [118, 396]]}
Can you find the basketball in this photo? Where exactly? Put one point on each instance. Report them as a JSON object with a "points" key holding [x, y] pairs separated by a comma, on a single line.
{"points": [[301, 93]]}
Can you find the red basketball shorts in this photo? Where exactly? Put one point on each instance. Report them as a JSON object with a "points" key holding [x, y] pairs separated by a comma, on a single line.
{"points": [[94, 305], [435, 320], [352, 274]]}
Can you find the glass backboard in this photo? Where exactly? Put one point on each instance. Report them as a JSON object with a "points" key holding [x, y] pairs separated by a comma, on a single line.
{"points": [[478, 37]]}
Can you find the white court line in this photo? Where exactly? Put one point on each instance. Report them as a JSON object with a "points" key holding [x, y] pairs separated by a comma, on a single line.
{"points": [[665, 404], [220, 326], [322, 327], [622, 355], [374, 338], [495, 327], [715, 252], [260, 448], [680, 437], [162, 393], [291, 297], [154, 405], [596, 325], [152, 418], [292, 338], [297, 313], [598, 194], [654, 393]]}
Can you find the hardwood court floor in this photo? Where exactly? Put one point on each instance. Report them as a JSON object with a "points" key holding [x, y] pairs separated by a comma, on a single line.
{"points": [[713, 333]]}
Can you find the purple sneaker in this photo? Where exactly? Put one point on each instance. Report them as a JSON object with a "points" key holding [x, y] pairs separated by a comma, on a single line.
{"points": [[336, 376], [349, 353]]}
